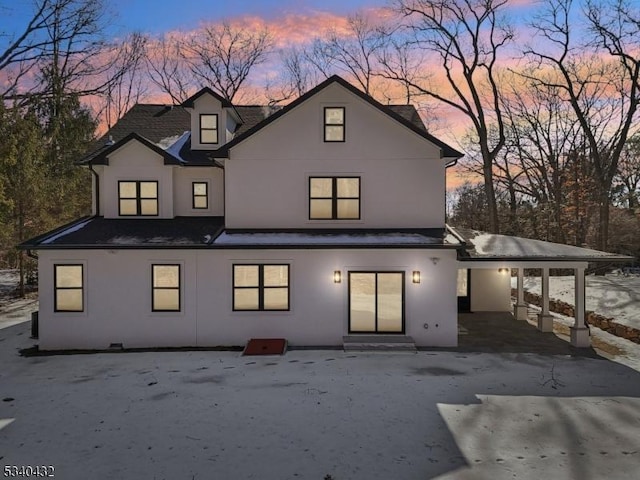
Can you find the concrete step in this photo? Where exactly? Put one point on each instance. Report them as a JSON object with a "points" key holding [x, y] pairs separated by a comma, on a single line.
{"points": [[378, 343]]}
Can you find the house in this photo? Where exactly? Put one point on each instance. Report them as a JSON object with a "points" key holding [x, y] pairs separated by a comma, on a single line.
{"points": [[324, 220]]}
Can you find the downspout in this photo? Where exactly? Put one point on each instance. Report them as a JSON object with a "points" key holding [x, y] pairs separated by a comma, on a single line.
{"points": [[97, 189]]}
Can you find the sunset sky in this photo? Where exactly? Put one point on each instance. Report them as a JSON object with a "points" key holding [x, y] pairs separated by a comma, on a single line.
{"points": [[291, 22], [152, 17]]}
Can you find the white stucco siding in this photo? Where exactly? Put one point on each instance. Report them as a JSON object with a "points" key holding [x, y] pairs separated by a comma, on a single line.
{"points": [[403, 176], [118, 298], [490, 290], [183, 190], [135, 161], [117, 301]]}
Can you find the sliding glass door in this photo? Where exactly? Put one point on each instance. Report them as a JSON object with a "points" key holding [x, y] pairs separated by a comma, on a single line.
{"points": [[376, 302]]}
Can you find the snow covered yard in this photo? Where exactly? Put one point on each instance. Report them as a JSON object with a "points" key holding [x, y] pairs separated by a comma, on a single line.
{"points": [[12, 310], [317, 414], [615, 296]]}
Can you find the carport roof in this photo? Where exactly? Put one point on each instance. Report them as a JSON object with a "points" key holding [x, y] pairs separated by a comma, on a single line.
{"points": [[490, 246]]}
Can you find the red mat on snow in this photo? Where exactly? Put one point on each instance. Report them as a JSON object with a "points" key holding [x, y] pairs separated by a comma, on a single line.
{"points": [[265, 346]]}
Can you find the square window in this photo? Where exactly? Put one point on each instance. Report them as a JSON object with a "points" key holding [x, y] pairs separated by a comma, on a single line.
{"points": [[261, 287], [334, 124], [69, 288], [334, 198], [138, 198]]}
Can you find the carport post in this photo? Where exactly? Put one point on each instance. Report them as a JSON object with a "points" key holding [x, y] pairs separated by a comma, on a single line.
{"points": [[579, 331], [545, 320], [520, 309]]}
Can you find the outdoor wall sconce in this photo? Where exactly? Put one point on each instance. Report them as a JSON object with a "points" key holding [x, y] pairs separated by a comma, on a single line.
{"points": [[435, 260], [503, 270], [415, 276], [337, 276]]}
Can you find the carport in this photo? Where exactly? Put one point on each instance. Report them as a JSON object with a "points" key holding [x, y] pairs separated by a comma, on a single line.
{"points": [[489, 259]]}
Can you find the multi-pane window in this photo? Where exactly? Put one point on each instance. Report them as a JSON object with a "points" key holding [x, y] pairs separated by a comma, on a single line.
{"points": [[334, 198], [261, 287], [200, 195], [208, 128], [138, 198], [165, 281], [334, 124], [69, 288]]}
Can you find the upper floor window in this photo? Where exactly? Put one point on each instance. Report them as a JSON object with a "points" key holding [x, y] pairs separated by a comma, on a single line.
{"points": [[208, 128], [334, 124], [137, 197], [200, 195], [261, 287], [334, 198], [165, 288], [69, 288]]}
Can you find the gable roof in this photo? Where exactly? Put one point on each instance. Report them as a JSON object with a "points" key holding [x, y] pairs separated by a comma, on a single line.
{"points": [[446, 150], [161, 124], [100, 156], [189, 102]]}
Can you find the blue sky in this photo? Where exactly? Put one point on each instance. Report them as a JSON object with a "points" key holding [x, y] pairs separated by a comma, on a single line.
{"points": [[157, 16]]}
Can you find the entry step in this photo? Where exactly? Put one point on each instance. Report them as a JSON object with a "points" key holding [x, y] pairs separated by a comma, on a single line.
{"points": [[378, 343]]}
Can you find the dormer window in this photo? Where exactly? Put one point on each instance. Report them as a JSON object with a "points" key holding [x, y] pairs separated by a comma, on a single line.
{"points": [[334, 124], [138, 198], [209, 128]]}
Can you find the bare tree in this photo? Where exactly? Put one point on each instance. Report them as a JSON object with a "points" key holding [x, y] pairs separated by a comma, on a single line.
{"points": [[19, 52], [296, 76], [603, 92], [541, 133], [353, 52], [466, 37], [627, 177], [122, 94], [223, 56], [167, 68]]}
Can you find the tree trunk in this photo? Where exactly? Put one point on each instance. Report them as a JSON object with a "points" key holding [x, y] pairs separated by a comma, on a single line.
{"points": [[603, 224], [21, 266]]}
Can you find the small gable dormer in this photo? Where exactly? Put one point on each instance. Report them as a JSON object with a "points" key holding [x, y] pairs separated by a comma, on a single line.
{"points": [[214, 120]]}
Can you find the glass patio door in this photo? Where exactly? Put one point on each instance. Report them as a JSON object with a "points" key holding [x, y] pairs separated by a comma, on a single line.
{"points": [[376, 302]]}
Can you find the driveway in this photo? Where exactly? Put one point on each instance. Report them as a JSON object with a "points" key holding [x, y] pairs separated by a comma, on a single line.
{"points": [[318, 415]]}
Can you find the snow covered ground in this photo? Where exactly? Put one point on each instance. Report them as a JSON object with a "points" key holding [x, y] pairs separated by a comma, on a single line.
{"points": [[320, 414], [615, 296], [317, 414], [12, 310]]}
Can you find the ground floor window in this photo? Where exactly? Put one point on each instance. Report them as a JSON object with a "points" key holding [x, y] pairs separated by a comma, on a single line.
{"points": [[260, 287], [69, 288], [165, 295]]}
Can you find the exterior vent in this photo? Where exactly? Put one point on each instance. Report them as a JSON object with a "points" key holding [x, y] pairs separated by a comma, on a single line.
{"points": [[109, 142]]}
